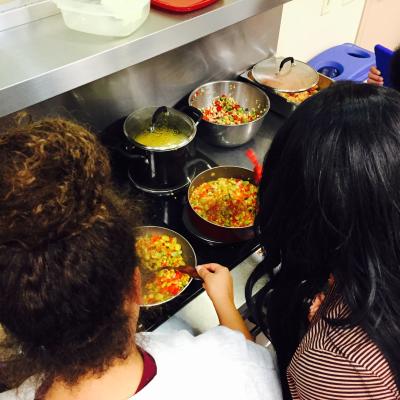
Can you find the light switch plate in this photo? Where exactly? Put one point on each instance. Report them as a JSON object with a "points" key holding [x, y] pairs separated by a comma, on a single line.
{"points": [[326, 6]]}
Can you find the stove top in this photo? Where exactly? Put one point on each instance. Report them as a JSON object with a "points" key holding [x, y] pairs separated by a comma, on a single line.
{"points": [[170, 211]]}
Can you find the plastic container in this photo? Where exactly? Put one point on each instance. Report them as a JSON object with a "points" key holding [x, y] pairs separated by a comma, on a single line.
{"points": [[383, 57], [344, 62], [104, 17]]}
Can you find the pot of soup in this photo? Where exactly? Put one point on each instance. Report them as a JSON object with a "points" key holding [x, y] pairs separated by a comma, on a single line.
{"points": [[161, 146]]}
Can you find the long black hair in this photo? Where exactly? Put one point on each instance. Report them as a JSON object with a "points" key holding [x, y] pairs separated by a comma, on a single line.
{"points": [[329, 202]]}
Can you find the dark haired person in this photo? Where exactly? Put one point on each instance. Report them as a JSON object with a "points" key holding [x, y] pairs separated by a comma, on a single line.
{"points": [[330, 217], [374, 75], [69, 289]]}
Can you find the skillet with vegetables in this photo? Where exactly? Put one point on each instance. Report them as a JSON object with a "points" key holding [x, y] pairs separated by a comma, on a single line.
{"points": [[155, 252], [229, 202]]}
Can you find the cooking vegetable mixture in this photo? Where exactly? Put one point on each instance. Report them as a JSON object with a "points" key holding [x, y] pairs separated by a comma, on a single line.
{"points": [[167, 283], [299, 97], [227, 202], [225, 110], [156, 252]]}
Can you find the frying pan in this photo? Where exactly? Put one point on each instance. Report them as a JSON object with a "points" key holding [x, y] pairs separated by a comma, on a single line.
{"points": [[188, 254]]}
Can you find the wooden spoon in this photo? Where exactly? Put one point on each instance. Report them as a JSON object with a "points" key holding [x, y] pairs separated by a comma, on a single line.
{"points": [[186, 269]]}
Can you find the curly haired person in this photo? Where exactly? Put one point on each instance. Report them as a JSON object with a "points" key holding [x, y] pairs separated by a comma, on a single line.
{"points": [[70, 289]]}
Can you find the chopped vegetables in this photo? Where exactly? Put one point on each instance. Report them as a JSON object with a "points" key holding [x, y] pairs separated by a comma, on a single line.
{"points": [[166, 284], [227, 202], [156, 252], [299, 97], [225, 110]]}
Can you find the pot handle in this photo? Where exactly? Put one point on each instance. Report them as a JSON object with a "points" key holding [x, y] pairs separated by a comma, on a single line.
{"points": [[156, 115], [194, 162], [284, 61], [125, 149], [193, 113]]}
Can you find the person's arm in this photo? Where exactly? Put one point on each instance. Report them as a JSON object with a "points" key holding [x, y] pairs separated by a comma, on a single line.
{"points": [[374, 77], [219, 287]]}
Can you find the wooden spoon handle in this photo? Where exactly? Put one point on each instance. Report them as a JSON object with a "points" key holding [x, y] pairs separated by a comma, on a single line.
{"points": [[187, 269]]}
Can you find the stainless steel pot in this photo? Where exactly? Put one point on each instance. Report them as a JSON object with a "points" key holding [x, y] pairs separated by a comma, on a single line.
{"points": [[248, 96], [159, 168], [209, 229]]}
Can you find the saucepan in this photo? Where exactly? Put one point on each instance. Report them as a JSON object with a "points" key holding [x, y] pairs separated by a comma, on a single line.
{"points": [[161, 166], [212, 230]]}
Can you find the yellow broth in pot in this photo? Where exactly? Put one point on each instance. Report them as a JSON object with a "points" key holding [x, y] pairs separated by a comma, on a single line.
{"points": [[161, 137]]}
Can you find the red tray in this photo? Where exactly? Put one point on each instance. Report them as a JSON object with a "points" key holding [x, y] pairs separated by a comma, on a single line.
{"points": [[181, 5]]}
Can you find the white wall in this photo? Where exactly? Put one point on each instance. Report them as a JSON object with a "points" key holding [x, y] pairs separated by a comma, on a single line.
{"points": [[305, 32], [11, 4], [380, 24]]}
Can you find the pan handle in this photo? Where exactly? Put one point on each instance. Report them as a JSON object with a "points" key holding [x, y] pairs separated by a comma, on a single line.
{"points": [[126, 149], [284, 61], [193, 113], [194, 162]]}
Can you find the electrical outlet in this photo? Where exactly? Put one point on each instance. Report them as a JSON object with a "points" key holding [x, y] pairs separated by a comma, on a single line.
{"points": [[326, 6]]}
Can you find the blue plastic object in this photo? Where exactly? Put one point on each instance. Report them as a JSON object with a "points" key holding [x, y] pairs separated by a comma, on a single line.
{"points": [[344, 62], [383, 57]]}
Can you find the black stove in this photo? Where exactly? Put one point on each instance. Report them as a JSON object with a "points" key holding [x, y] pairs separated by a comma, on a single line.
{"points": [[170, 210]]}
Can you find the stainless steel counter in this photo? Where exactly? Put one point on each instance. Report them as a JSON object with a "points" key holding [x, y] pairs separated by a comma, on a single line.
{"points": [[43, 59]]}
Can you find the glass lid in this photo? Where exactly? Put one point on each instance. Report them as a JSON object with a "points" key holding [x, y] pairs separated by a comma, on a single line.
{"points": [[285, 74], [171, 129]]}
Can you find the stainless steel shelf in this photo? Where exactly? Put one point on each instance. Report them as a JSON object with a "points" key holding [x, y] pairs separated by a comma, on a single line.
{"points": [[42, 59]]}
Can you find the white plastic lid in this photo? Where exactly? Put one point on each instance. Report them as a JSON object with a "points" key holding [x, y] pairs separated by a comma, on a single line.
{"points": [[116, 8]]}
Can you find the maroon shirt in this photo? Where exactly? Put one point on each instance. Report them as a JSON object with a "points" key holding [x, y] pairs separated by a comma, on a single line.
{"points": [[149, 370]]}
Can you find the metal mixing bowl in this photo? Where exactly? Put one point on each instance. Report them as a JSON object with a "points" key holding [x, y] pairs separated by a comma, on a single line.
{"points": [[247, 95]]}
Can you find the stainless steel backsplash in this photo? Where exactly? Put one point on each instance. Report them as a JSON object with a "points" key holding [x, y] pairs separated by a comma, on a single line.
{"points": [[165, 79]]}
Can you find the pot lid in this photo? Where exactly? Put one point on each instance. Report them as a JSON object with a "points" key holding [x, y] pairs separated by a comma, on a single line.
{"points": [[285, 74], [156, 124]]}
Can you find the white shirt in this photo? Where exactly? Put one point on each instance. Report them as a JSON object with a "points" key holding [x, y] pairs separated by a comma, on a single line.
{"points": [[219, 364]]}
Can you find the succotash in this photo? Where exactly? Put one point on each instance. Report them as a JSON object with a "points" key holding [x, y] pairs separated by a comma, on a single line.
{"points": [[226, 110], [156, 252], [226, 202]]}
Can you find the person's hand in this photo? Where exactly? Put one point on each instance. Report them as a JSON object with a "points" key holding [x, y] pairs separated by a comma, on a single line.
{"points": [[219, 287], [217, 283], [374, 77], [315, 306]]}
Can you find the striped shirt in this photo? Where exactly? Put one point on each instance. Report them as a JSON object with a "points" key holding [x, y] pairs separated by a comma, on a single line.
{"points": [[335, 363]]}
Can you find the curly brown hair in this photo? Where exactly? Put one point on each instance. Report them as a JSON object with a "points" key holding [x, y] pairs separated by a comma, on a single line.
{"points": [[66, 255]]}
